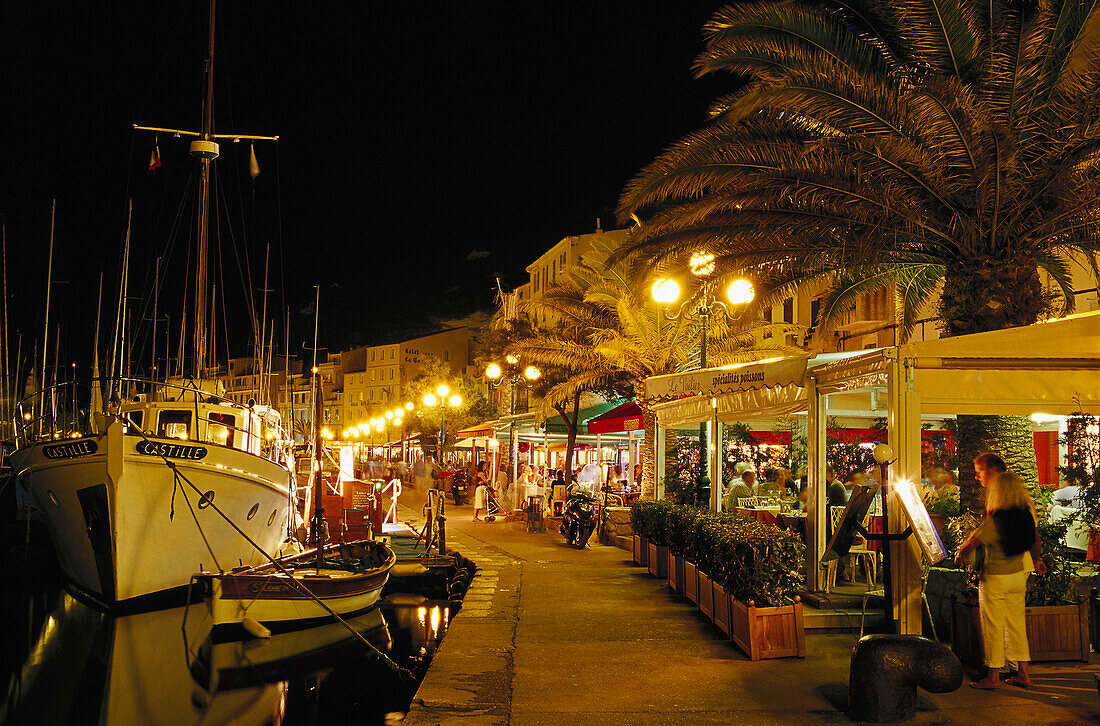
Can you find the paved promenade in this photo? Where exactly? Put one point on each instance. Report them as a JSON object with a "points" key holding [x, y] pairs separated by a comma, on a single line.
{"points": [[553, 635]]}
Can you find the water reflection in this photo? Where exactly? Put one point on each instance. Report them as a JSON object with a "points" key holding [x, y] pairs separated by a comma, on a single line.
{"points": [[164, 667]]}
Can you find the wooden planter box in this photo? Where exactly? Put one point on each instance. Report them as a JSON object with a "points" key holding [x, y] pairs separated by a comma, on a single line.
{"points": [[1054, 632], [723, 608], [691, 582], [641, 551], [676, 573], [657, 560], [706, 595], [776, 632]]}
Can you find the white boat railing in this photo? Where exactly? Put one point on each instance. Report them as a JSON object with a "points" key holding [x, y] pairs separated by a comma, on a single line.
{"points": [[64, 411]]}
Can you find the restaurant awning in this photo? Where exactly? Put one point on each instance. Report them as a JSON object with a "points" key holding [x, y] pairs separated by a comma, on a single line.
{"points": [[624, 417], [477, 443], [555, 424], [481, 430]]}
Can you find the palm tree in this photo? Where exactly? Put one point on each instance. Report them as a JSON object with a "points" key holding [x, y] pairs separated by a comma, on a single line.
{"points": [[921, 146], [611, 337]]}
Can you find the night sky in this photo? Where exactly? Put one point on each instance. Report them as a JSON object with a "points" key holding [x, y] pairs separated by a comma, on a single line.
{"points": [[425, 149]]}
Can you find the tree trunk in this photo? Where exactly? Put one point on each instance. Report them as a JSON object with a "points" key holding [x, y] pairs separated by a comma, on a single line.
{"points": [[1009, 437], [649, 453], [571, 439]]}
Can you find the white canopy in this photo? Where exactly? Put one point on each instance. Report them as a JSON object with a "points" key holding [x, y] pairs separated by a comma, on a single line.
{"points": [[1051, 367]]}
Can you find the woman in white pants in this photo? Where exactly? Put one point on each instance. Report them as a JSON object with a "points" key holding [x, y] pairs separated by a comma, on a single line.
{"points": [[1011, 544]]}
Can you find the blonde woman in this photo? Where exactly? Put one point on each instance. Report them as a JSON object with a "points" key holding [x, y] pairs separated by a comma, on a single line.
{"points": [[1011, 542]]}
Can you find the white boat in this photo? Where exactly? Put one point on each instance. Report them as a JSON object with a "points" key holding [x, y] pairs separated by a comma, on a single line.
{"points": [[175, 479], [137, 509]]}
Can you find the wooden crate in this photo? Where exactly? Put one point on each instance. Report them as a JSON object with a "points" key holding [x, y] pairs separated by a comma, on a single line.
{"points": [[657, 559], [1058, 632], [1054, 632], [691, 582], [722, 608], [773, 632], [706, 595], [641, 551], [676, 573]]}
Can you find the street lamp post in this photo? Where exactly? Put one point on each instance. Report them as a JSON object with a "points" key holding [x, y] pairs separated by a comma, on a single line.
{"points": [[443, 401], [495, 373], [667, 291]]}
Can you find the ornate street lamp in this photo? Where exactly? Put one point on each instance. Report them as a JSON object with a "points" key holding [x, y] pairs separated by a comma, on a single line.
{"points": [[430, 401], [667, 291], [495, 373]]}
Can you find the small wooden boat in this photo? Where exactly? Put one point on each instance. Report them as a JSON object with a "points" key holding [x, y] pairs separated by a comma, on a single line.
{"points": [[298, 591]]}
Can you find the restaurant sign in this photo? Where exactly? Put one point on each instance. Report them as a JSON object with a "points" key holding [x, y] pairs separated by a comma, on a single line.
{"points": [[729, 379]]}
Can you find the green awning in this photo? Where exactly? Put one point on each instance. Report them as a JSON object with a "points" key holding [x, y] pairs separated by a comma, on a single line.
{"points": [[555, 424]]}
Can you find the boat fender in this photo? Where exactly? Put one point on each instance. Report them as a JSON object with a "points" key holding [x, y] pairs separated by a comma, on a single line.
{"points": [[255, 629]]}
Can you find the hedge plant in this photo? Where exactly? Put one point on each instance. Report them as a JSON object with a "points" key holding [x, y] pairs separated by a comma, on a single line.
{"points": [[753, 561]]}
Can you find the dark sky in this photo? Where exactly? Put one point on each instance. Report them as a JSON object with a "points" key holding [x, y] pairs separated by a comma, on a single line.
{"points": [[411, 135]]}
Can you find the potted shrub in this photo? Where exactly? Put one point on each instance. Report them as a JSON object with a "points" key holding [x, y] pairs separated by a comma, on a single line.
{"points": [[757, 570], [657, 551], [639, 522], [674, 538], [694, 519]]}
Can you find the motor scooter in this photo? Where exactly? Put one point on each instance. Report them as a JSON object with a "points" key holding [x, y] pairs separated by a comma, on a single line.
{"points": [[578, 518], [460, 487]]}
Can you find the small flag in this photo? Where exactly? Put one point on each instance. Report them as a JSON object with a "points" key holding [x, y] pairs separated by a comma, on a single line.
{"points": [[154, 158], [253, 165]]}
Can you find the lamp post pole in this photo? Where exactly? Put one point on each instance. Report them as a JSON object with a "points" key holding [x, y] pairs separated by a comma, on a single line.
{"points": [[667, 291], [702, 482]]}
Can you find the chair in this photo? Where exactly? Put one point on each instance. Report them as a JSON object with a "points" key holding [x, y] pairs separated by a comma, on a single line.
{"points": [[747, 502], [859, 548]]}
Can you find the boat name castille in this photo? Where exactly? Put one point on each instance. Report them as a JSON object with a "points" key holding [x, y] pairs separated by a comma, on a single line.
{"points": [[171, 451], [70, 449]]}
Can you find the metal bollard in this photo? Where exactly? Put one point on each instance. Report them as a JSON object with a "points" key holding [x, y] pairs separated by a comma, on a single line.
{"points": [[886, 670]]}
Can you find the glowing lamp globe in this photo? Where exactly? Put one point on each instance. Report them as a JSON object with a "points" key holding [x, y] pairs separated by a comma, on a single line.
{"points": [[443, 390], [532, 373], [493, 371], [456, 401], [740, 292], [429, 400], [665, 290]]}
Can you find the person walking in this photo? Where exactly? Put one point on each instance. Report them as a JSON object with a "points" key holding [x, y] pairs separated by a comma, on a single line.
{"points": [[1012, 551]]}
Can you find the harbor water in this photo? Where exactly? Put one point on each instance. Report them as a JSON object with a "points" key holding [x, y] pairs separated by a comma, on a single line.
{"points": [[67, 662]]}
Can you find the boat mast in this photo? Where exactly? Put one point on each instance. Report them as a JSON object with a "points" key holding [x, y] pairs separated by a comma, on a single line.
{"points": [[205, 149], [9, 389], [46, 332]]}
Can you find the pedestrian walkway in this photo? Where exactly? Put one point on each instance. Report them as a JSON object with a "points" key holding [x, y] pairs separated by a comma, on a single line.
{"points": [[553, 635]]}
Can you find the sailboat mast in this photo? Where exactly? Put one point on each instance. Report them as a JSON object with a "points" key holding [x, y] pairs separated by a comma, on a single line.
{"points": [[205, 149], [49, 284], [9, 389], [261, 386]]}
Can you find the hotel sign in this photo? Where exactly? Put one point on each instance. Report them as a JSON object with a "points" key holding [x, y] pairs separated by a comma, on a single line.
{"points": [[171, 451], [729, 379], [70, 449]]}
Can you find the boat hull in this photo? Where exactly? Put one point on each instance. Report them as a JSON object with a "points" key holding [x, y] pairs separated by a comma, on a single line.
{"points": [[126, 524]]}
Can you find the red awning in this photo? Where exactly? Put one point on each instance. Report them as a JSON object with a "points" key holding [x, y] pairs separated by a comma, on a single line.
{"points": [[627, 417]]}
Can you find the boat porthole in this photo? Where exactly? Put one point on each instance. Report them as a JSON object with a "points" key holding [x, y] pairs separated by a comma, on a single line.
{"points": [[252, 512], [274, 513], [206, 499], [53, 498]]}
